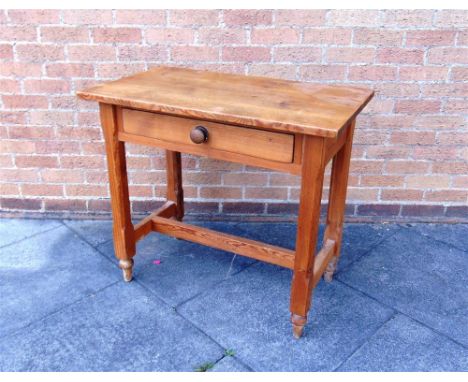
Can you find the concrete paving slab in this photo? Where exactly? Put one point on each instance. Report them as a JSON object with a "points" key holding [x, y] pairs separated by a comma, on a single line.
{"points": [[94, 232], [121, 328], [249, 313], [404, 345], [45, 273], [13, 230], [421, 277]]}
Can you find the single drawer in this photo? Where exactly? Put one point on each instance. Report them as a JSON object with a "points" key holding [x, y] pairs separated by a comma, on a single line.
{"points": [[256, 143]]}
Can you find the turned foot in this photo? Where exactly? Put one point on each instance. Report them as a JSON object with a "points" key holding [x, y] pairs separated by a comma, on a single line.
{"points": [[298, 325], [127, 269], [329, 272]]}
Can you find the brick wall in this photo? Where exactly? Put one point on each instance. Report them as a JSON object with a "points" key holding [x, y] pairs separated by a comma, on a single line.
{"points": [[410, 156]]}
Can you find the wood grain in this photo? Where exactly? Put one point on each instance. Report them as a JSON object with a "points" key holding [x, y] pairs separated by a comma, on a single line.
{"points": [[251, 142], [260, 102], [245, 247]]}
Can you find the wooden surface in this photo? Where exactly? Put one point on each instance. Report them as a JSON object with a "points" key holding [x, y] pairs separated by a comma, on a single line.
{"points": [[260, 102], [245, 247], [251, 142], [124, 240]]}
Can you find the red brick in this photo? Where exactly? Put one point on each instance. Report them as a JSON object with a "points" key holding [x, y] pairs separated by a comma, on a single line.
{"points": [[417, 106], [459, 73], [57, 147], [86, 190], [245, 179], [39, 53], [448, 56], [34, 16], [454, 106], [300, 17], [298, 54], [221, 192], [434, 153], [19, 69], [286, 71], [82, 161], [21, 204], [457, 211], [429, 38], [243, 208], [422, 210], [372, 73], [12, 118], [6, 52], [194, 53], [236, 17], [30, 132], [280, 193], [88, 16], [462, 38], [170, 36], [70, 70], [382, 181], [351, 55], [327, 36], [323, 72], [134, 53], [407, 167], [371, 137], [386, 152], [425, 73], [444, 122], [41, 190], [19, 175], [450, 168], [354, 18], [115, 71], [216, 36], [182, 17], [427, 181], [18, 33], [445, 90], [116, 35], [9, 189], [140, 191], [52, 175], [378, 210], [366, 167], [65, 205], [378, 37], [245, 53], [147, 16], [274, 36], [51, 118], [400, 56], [460, 182], [446, 196], [401, 194], [91, 53], [36, 161], [410, 18], [64, 34], [25, 102], [397, 89], [413, 138], [46, 86], [17, 146], [453, 138], [451, 18]]}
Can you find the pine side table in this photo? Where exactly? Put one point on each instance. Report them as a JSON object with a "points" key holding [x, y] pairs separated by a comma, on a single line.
{"points": [[281, 125]]}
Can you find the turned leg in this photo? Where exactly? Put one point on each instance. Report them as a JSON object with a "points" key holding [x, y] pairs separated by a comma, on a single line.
{"points": [[313, 166], [124, 239], [175, 192], [337, 200]]}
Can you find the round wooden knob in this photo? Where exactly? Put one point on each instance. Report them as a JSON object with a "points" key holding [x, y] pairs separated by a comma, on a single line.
{"points": [[199, 134]]}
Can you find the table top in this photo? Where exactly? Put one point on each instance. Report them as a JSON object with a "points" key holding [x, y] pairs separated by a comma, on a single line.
{"points": [[258, 102]]}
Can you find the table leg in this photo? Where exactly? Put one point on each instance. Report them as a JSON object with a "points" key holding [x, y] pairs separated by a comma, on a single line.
{"points": [[175, 192], [337, 200], [313, 167], [124, 239]]}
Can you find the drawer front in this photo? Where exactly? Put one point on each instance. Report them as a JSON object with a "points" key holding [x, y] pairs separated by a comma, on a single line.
{"points": [[239, 140]]}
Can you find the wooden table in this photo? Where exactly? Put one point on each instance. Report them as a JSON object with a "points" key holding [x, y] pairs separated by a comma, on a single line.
{"points": [[281, 125]]}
